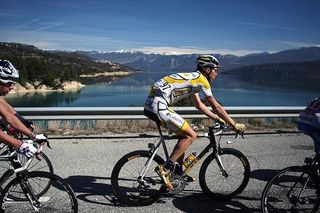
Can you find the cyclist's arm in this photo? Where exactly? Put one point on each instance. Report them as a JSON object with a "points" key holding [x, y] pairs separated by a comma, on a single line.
{"points": [[220, 111], [5, 138], [8, 114], [203, 108]]}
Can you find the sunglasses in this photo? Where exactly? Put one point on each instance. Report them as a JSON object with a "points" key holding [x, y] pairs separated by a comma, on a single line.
{"points": [[7, 84], [213, 69]]}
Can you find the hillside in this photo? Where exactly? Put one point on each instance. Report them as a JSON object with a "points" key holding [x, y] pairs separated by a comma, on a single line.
{"points": [[290, 75], [53, 68]]}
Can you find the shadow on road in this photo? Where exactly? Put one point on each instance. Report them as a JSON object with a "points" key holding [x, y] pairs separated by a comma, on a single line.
{"points": [[199, 202], [91, 189], [263, 174], [87, 187]]}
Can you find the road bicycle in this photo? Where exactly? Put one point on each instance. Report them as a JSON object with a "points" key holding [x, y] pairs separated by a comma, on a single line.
{"points": [[36, 191], [223, 174], [294, 189]]}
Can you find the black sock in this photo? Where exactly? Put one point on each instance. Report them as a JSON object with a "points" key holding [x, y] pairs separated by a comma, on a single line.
{"points": [[169, 165]]}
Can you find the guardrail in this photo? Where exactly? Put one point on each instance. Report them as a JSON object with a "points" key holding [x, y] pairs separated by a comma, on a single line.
{"points": [[127, 113]]}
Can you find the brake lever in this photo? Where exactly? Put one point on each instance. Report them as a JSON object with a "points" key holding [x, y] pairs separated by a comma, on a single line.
{"points": [[236, 137], [233, 140]]}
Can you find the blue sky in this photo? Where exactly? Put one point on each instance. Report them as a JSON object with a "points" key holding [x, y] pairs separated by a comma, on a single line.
{"points": [[236, 27]]}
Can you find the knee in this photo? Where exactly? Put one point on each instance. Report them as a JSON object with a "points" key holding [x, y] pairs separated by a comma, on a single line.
{"points": [[192, 137]]}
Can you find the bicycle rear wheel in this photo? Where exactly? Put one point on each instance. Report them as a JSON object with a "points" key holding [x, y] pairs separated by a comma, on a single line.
{"points": [[219, 186], [291, 190], [59, 197], [125, 179]]}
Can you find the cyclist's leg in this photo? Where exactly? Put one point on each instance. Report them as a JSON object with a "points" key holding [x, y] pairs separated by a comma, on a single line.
{"points": [[177, 124], [187, 136], [174, 122]]}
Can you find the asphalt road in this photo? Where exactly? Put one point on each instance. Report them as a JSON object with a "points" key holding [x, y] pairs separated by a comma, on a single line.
{"points": [[86, 163]]}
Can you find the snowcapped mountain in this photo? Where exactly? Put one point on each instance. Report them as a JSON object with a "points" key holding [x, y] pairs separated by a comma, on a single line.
{"points": [[186, 62]]}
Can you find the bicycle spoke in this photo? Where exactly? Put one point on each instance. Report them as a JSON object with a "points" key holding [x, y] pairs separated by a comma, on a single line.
{"points": [[218, 185], [58, 198]]}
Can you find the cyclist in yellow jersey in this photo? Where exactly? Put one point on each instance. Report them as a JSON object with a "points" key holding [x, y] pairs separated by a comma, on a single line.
{"points": [[172, 88]]}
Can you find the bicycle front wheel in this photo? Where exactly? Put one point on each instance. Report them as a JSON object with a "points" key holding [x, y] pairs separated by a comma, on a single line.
{"points": [[224, 184], [42, 164], [291, 190], [59, 197], [127, 184]]}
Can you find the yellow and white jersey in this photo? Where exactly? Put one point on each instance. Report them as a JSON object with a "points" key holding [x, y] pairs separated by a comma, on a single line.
{"points": [[181, 85]]}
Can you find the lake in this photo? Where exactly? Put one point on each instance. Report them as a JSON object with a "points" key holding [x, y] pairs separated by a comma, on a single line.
{"points": [[133, 90]]}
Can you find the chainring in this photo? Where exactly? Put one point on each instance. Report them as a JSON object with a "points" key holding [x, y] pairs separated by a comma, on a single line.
{"points": [[178, 184]]}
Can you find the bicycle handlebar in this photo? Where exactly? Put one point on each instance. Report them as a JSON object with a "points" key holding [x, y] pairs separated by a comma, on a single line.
{"points": [[224, 127], [39, 150]]}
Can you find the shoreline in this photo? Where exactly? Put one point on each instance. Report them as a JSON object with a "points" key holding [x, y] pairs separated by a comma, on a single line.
{"points": [[107, 74], [66, 86]]}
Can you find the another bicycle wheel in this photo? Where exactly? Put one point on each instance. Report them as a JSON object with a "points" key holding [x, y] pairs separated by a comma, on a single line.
{"points": [[126, 184], [58, 198], [291, 190], [42, 164], [224, 186]]}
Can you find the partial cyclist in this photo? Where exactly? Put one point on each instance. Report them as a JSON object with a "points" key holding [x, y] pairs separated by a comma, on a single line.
{"points": [[173, 88], [8, 77], [309, 122]]}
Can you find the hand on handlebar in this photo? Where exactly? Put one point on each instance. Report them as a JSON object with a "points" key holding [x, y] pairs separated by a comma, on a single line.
{"points": [[240, 127], [40, 138], [221, 122], [27, 149]]}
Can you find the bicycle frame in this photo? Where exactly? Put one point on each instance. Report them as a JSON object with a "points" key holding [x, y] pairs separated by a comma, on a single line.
{"points": [[12, 157], [213, 144]]}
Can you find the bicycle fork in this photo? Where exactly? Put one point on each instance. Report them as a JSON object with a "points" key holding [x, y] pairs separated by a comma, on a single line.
{"points": [[28, 192], [219, 162]]}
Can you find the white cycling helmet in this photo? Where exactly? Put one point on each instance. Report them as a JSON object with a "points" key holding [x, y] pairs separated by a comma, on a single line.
{"points": [[7, 72], [207, 60]]}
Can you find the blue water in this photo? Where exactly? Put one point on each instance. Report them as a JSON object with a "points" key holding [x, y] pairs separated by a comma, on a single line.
{"points": [[132, 91]]}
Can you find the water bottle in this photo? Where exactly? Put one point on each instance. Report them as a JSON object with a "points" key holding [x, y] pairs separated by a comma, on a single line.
{"points": [[189, 159]]}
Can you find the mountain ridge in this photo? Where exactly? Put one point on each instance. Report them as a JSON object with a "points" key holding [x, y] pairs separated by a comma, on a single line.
{"points": [[186, 62]]}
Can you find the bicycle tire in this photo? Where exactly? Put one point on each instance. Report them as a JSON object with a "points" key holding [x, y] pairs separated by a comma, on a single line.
{"points": [[58, 198], [280, 193], [219, 187], [124, 179]]}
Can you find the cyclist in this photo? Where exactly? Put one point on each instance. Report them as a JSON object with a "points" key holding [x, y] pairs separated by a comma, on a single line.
{"points": [[175, 87], [309, 122], [8, 76]]}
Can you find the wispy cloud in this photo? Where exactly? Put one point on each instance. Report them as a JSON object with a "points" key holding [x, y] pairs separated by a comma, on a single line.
{"points": [[26, 24], [297, 44], [49, 26], [266, 25]]}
